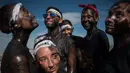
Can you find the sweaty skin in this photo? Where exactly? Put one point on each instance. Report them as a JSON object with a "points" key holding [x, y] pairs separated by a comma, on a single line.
{"points": [[49, 59], [64, 43], [16, 57], [96, 45], [118, 25]]}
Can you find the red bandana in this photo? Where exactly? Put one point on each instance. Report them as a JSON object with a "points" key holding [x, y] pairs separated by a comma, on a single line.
{"points": [[90, 7]]}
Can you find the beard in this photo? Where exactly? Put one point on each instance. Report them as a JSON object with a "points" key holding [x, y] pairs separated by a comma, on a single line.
{"points": [[53, 25]]}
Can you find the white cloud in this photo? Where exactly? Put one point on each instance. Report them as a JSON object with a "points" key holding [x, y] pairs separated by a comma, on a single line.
{"points": [[74, 17], [40, 19]]}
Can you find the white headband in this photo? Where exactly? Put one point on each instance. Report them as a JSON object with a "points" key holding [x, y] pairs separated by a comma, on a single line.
{"points": [[55, 11], [44, 43], [65, 26], [15, 12]]}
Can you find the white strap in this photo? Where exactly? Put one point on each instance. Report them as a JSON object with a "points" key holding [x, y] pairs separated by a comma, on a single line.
{"points": [[65, 26], [15, 12], [55, 11], [44, 43]]}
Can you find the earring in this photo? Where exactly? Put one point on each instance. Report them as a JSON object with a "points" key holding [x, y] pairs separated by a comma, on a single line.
{"points": [[16, 25]]}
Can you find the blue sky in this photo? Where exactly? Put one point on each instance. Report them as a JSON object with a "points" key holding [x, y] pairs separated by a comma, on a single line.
{"points": [[70, 11]]}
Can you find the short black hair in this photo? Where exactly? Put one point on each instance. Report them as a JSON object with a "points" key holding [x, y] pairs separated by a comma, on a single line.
{"points": [[5, 15], [64, 22], [121, 1]]}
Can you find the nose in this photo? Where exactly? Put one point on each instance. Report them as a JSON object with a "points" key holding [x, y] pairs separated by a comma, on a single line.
{"points": [[50, 65], [110, 20], [66, 31], [48, 16], [85, 19], [31, 15]]}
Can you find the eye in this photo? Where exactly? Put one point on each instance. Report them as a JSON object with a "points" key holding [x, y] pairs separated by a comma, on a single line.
{"points": [[89, 16], [43, 59], [52, 15], [54, 56], [26, 14], [119, 14]]}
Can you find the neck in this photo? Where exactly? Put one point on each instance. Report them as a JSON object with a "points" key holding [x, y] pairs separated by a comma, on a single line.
{"points": [[21, 36], [53, 32], [121, 39], [91, 30]]}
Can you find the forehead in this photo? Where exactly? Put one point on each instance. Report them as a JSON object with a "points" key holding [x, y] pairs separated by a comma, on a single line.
{"points": [[50, 12], [119, 6], [87, 12], [23, 9], [47, 51]]}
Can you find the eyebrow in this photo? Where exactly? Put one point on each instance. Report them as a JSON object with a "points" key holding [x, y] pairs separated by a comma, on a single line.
{"points": [[55, 53], [42, 57]]}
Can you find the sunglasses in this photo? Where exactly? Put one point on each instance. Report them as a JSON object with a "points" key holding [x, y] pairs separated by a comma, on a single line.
{"points": [[52, 15], [68, 29]]}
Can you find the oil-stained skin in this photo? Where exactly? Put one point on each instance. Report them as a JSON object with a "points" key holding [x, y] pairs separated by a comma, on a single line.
{"points": [[20, 63], [118, 19]]}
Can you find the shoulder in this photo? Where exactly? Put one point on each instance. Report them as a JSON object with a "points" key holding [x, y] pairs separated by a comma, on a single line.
{"points": [[77, 37], [13, 46], [19, 58], [101, 32], [68, 39]]}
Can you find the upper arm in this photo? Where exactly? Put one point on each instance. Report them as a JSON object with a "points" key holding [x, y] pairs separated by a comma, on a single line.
{"points": [[19, 64], [71, 55]]}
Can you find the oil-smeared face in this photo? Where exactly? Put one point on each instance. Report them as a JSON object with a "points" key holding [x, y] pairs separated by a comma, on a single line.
{"points": [[118, 19], [49, 59], [88, 19], [67, 31], [51, 20], [27, 20]]}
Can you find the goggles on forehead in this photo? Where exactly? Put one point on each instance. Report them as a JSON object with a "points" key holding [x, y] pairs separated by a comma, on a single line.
{"points": [[44, 43], [52, 15]]}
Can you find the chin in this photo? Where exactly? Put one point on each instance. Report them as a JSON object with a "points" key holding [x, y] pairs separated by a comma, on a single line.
{"points": [[108, 31], [36, 25], [86, 28], [52, 72]]}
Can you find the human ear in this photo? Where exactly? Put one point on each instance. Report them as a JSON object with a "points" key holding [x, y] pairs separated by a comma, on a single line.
{"points": [[96, 18], [60, 20]]}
